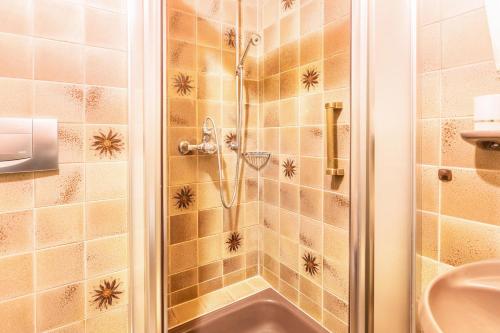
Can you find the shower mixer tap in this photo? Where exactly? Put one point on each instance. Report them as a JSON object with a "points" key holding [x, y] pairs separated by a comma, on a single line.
{"points": [[206, 146]]}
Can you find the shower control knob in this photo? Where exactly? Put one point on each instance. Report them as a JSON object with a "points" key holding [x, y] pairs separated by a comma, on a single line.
{"points": [[186, 148]]}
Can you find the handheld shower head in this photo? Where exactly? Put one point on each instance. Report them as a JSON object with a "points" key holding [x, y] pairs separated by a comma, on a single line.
{"points": [[254, 40]]}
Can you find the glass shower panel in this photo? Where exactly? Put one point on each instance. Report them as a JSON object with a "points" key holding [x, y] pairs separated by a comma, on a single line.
{"points": [[289, 226]]}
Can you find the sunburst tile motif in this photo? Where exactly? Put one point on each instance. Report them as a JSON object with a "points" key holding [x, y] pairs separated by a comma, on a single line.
{"points": [[234, 241], [107, 144], [106, 293], [310, 265], [287, 4], [289, 168], [230, 139], [230, 38], [183, 83], [184, 197], [310, 78]]}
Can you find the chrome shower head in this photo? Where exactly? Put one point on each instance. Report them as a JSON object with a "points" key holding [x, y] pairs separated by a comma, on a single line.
{"points": [[254, 40]]}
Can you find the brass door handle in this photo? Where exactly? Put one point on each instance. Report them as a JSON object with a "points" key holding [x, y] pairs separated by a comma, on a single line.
{"points": [[331, 111]]}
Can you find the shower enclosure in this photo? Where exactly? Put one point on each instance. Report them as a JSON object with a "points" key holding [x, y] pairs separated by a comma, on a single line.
{"points": [[247, 77], [302, 223]]}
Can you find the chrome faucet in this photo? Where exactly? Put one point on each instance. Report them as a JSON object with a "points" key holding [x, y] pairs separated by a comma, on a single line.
{"points": [[206, 146]]}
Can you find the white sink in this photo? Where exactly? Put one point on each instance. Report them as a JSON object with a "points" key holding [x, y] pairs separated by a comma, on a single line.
{"points": [[463, 300]]}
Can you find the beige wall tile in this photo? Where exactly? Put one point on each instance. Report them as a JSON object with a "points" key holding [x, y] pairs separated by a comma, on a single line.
{"points": [[427, 234], [271, 37], [334, 324], [336, 244], [16, 16], [16, 232], [113, 5], [208, 33], [312, 110], [289, 56], [105, 67], [334, 9], [209, 271], [450, 8], [59, 20], [16, 97], [289, 224], [336, 210], [311, 172], [58, 225], [472, 195], [289, 253], [463, 242], [429, 11], [311, 203], [181, 26], [70, 139], [68, 181], [429, 95], [183, 280], [106, 255], [77, 327], [105, 143], [430, 189], [105, 29], [310, 234], [105, 105], [16, 276], [290, 276], [337, 71], [337, 37], [289, 83], [16, 59], [16, 192], [289, 136], [59, 265], [106, 218], [58, 61], [289, 27], [430, 141], [17, 315], [336, 306], [106, 180], [429, 48], [311, 308], [182, 112], [116, 283], [311, 17], [183, 227], [336, 278], [182, 54], [311, 141], [183, 256], [115, 321], [460, 86], [463, 34], [62, 101]]}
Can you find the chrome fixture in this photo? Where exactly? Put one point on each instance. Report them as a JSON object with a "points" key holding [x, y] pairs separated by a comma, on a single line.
{"points": [[28, 145], [207, 146], [257, 159]]}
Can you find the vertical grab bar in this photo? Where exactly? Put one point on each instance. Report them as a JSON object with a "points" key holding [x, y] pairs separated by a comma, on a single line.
{"points": [[332, 111]]}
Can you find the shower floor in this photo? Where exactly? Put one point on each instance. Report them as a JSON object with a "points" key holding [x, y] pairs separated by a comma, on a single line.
{"points": [[265, 312]]}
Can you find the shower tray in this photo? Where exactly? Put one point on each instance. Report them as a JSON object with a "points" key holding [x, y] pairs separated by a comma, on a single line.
{"points": [[264, 312]]}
